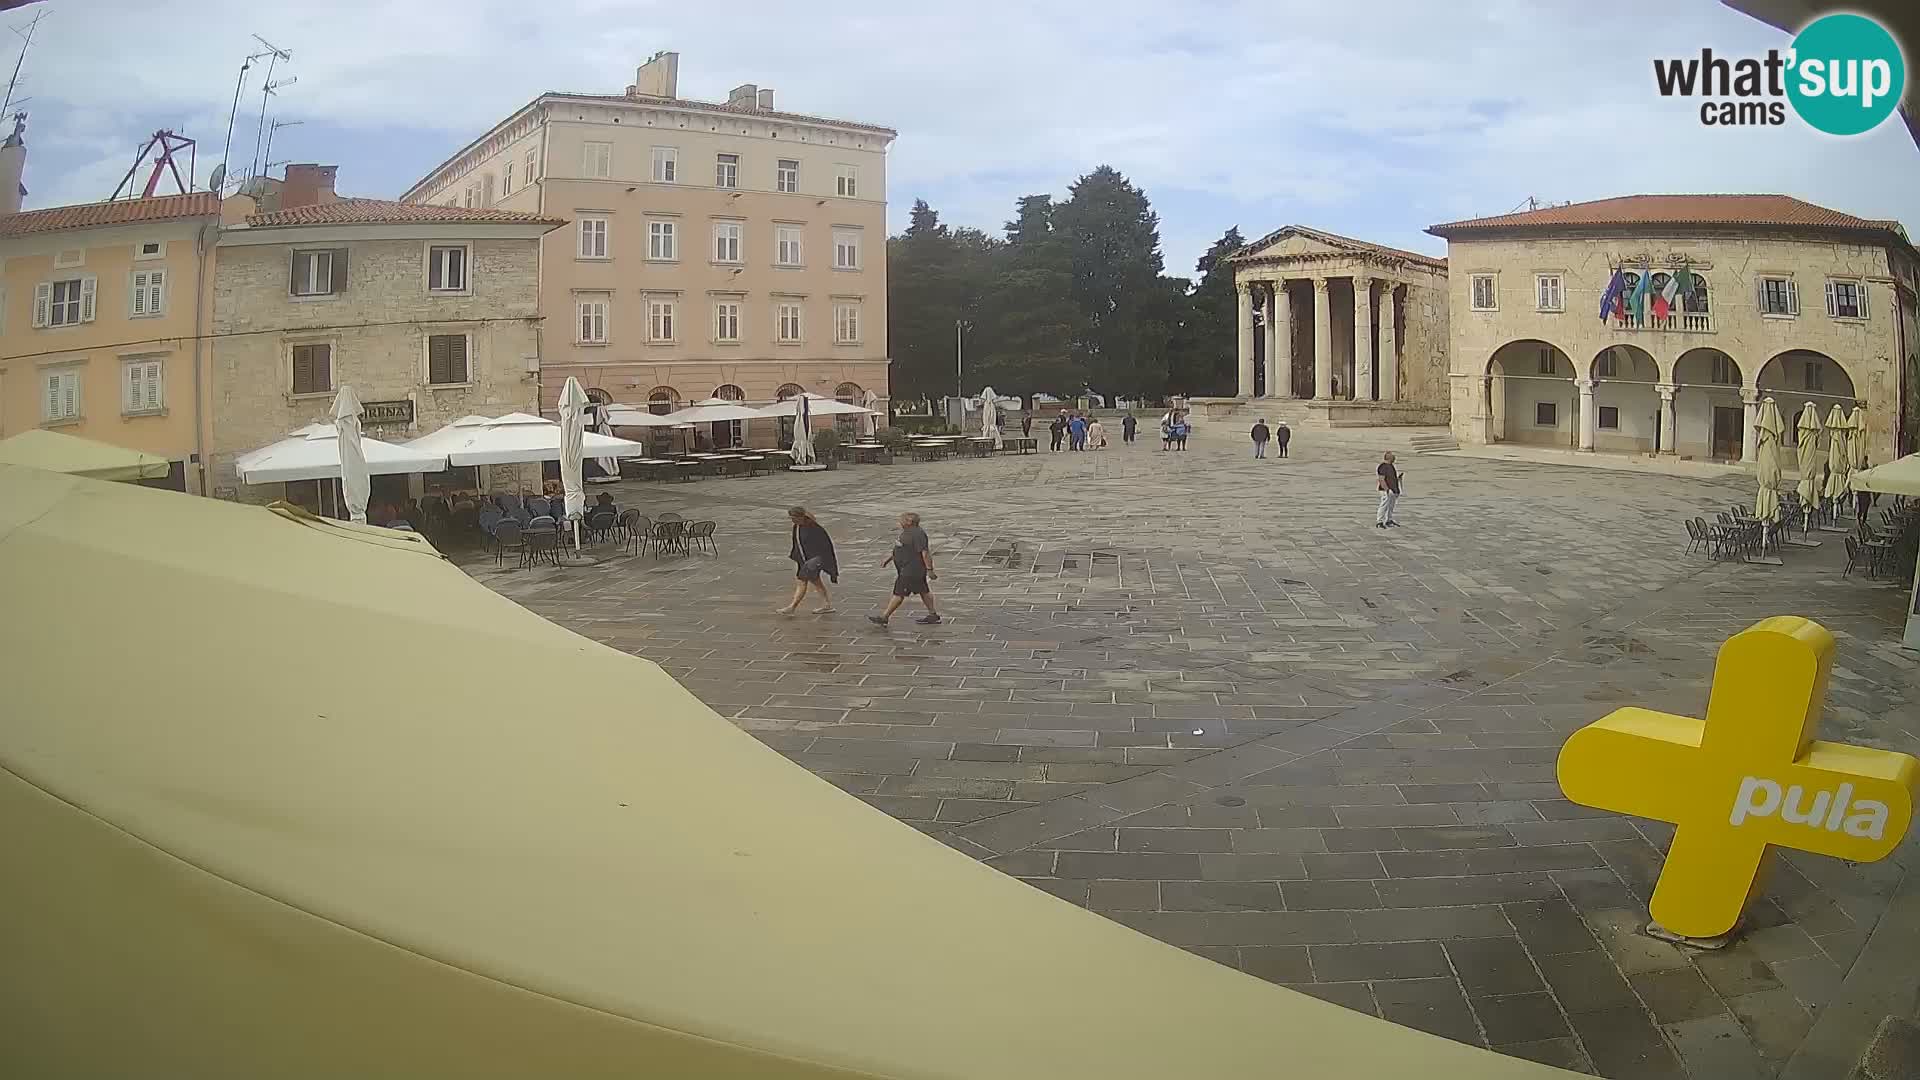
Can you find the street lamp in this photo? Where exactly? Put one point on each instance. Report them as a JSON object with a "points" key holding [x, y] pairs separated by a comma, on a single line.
{"points": [[959, 376]]}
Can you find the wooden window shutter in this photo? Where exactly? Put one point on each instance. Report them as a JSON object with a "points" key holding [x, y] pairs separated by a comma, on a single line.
{"points": [[323, 367], [1833, 304], [140, 294], [1793, 297], [86, 298], [42, 301], [339, 270], [293, 274], [302, 369]]}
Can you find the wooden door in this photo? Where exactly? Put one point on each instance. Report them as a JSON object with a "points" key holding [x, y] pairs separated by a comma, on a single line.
{"points": [[1727, 433]]}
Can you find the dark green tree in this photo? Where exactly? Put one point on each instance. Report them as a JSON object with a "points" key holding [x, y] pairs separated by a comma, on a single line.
{"points": [[1112, 238], [1025, 338], [1202, 361], [923, 300]]}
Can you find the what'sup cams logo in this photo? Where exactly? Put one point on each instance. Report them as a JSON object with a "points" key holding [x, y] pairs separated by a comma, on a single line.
{"points": [[1843, 75]]}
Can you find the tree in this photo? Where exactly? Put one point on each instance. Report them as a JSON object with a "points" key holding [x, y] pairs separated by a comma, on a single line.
{"points": [[1026, 334], [924, 297], [1112, 239], [1204, 360]]}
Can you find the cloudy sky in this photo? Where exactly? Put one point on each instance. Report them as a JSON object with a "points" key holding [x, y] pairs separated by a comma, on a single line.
{"points": [[1373, 119]]}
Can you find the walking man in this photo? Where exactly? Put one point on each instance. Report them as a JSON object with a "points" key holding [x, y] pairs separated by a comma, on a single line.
{"points": [[1389, 493], [1281, 434], [1128, 426], [1260, 437], [912, 569], [1077, 433]]}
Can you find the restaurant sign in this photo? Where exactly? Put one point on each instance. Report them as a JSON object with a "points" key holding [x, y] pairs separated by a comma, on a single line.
{"points": [[387, 412]]}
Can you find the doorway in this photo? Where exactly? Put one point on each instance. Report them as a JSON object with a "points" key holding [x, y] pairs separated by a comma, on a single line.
{"points": [[1727, 434]]}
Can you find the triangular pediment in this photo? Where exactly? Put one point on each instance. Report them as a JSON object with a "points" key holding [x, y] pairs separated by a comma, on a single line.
{"points": [[1295, 241]]}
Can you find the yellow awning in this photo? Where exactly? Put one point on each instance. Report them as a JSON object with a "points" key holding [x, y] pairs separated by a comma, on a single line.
{"points": [[284, 799], [62, 453], [1898, 477]]}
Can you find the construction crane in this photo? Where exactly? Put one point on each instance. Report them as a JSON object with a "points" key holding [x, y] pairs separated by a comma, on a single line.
{"points": [[165, 147]]}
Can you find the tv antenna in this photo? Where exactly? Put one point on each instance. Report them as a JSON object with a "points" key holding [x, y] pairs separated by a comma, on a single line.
{"points": [[239, 85], [272, 128], [13, 81], [267, 90]]}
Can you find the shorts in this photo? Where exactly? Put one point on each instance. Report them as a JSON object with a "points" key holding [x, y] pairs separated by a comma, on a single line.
{"points": [[911, 585]]}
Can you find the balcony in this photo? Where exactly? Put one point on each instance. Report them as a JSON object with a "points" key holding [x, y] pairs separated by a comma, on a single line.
{"points": [[1689, 322]]}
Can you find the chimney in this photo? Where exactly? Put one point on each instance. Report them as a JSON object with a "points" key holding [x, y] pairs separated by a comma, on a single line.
{"points": [[659, 76], [13, 165], [766, 100], [743, 96], [308, 185]]}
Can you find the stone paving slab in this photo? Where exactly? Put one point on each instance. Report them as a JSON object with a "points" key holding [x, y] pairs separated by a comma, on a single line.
{"points": [[1204, 697]]}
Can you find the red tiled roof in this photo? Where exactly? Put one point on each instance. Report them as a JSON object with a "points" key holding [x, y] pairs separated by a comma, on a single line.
{"points": [[1338, 241], [387, 212], [1779, 211], [737, 110], [119, 212]]}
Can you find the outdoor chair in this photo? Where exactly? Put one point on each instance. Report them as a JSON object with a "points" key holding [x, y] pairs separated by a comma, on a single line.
{"points": [[600, 524], [538, 506], [490, 519], [668, 536], [507, 537], [638, 531], [1695, 538], [542, 546], [701, 533], [543, 523], [1855, 554], [670, 516]]}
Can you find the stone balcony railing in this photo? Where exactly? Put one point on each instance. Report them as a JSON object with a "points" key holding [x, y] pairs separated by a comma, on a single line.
{"points": [[1689, 322]]}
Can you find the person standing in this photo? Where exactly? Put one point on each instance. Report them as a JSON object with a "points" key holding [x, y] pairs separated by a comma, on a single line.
{"points": [[1181, 429], [1026, 425], [1077, 432], [1389, 485], [912, 569], [1128, 427], [1097, 435], [1058, 429], [813, 558], [1282, 434], [1261, 436]]}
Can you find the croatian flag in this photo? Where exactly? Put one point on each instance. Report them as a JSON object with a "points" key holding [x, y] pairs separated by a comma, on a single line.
{"points": [[1610, 299]]}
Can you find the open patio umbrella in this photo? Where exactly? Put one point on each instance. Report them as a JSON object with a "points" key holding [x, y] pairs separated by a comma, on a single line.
{"points": [[817, 405], [1837, 455], [802, 430], [634, 416], [517, 438], [450, 437], [355, 484], [714, 411], [990, 416], [313, 453], [1898, 477], [1769, 427], [1812, 467], [55, 451], [573, 433]]}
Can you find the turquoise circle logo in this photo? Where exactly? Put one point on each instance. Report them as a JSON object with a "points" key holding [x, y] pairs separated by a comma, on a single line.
{"points": [[1847, 74]]}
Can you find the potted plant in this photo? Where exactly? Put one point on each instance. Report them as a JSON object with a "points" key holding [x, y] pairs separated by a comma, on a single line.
{"points": [[826, 446]]}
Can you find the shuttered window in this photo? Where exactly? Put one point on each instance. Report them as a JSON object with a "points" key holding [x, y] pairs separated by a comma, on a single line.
{"points": [[447, 360], [321, 272], [63, 303], [141, 387], [148, 293], [62, 398], [312, 369]]}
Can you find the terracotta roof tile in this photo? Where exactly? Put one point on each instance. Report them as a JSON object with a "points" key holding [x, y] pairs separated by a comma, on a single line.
{"points": [[1782, 211], [387, 212], [1338, 241], [119, 212], [737, 110]]}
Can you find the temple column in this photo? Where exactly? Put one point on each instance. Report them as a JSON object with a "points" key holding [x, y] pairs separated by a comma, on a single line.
{"points": [[1362, 338], [1667, 426], [1322, 342], [1586, 413], [1280, 343], [1389, 345], [1245, 292]]}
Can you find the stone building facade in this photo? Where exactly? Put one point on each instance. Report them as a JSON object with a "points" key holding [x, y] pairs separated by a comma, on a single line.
{"points": [[1809, 306], [1354, 332], [429, 313], [713, 250]]}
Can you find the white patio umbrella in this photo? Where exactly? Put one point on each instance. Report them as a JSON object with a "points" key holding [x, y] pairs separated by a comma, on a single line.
{"points": [[802, 430], [355, 484], [608, 465], [990, 416], [1856, 444], [714, 411], [870, 423], [1837, 455], [313, 453], [817, 405], [573, 433], [1812, 467], [1768, 428], [517, 438], [634, 416]]}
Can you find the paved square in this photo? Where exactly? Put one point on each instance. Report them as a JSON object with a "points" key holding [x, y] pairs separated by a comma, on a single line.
{"points": [[1203, 696]]}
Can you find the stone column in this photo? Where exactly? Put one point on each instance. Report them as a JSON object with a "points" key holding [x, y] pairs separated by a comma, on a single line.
{"points": [[1489, 415], [1748, 444], [1389, 347], [1586, 413], [1322, 342], [1667, 426], [1246, 340], [1280, 343], [1362, 338]]}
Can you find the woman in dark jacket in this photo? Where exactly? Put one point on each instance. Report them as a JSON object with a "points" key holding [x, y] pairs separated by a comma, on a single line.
{"points": [[813, 558]]}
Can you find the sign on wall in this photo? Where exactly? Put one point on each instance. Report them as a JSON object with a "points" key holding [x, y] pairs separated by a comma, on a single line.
{"points": [[1747, 777], [387, 412]]}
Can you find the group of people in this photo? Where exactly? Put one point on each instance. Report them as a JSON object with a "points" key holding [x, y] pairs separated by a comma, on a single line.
{"points": [[1080, 430], [1279, 435], [815, 563], [1174, 429]]}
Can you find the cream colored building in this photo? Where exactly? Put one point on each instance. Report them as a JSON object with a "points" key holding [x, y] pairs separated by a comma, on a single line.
{"points": [[1797, 302], [1362, 329], [712, 250], [430, 313], [100, 334]]}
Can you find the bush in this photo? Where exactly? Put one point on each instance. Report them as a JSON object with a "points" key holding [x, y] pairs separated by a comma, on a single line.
{"points": [[827, 443], [923, 425]]}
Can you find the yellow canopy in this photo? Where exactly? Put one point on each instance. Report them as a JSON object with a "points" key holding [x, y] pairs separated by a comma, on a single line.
{"points": [[1898, 477], [62, 453], [301, 800]]}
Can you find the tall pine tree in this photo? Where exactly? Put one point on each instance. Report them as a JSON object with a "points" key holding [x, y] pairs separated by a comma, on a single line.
{"points": [[1026, 342], [1112, 237]]}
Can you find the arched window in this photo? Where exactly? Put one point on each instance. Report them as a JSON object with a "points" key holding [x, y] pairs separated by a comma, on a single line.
{"points": [[848, 393], [661, 399], [1695, 302], [788, 392], [599, 396], [729, 392]]}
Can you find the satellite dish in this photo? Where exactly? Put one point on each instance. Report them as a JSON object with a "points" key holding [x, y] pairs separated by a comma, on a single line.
{"points": [[217, 179]]}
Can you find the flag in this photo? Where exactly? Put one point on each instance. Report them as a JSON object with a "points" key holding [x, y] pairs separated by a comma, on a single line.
{"points": [[1660, 299], [1610, 299], [1637, 303], [1683, 283]]}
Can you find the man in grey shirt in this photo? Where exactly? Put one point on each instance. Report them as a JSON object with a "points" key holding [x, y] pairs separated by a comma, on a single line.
{"points": [[913, 568]]}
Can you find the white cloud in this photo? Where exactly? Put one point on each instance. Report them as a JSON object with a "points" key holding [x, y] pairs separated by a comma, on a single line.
{"points": [[1378, 118]]}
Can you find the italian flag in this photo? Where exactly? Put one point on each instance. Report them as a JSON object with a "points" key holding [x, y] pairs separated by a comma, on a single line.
{"points": [[1680, 284]]}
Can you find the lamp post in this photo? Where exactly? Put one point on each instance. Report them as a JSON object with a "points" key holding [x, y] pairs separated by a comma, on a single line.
{"points": [[959, 375]]}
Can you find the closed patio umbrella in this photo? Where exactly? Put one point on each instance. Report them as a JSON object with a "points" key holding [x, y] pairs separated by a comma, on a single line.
{"points": [[573, 433], [869, 424], [355, 483], [1812, 467], [1769, 427], [1856, 444], [990, 416], [802, 430], [1837, 455], [608, 465]]}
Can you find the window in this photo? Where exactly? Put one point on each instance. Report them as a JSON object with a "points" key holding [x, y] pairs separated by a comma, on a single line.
{"points": [[447, 360], [593, 321], [786, 175], [787, 323], [506, 179], [846, 323], [1847, 299], [1778, 296], [1546, 414], [593, 238], [1695, 303], [666, 164], [63, 303], [447, 268], [148, 295], [1813, 376], [726, 241], [1548, 366], [471, 196], [1724, 373], [1547, 292], [660, 320], [660, 400], [596, 160], [1609, 418], [141, 387], [786, 245], [847, 182], [486, 190], [1603, 366], [532, 162], [150, 249], [660, 240], [1483, 292], [318, 273], [846, 249], [726, 320], [726, 171], [312, 369], [62, 400], [848, 393]]}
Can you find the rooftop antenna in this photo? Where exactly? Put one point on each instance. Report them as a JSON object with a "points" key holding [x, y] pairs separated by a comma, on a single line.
{"points": [[267, 89], [165, 146], [267, 157], [239, 84], [13, 81]]}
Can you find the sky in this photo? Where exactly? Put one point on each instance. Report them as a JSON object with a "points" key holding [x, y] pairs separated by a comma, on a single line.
{"points": [[1370, 119]]}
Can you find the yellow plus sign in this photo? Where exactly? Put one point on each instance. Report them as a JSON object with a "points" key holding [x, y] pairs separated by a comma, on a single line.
{"points": [[1747, 777]]}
